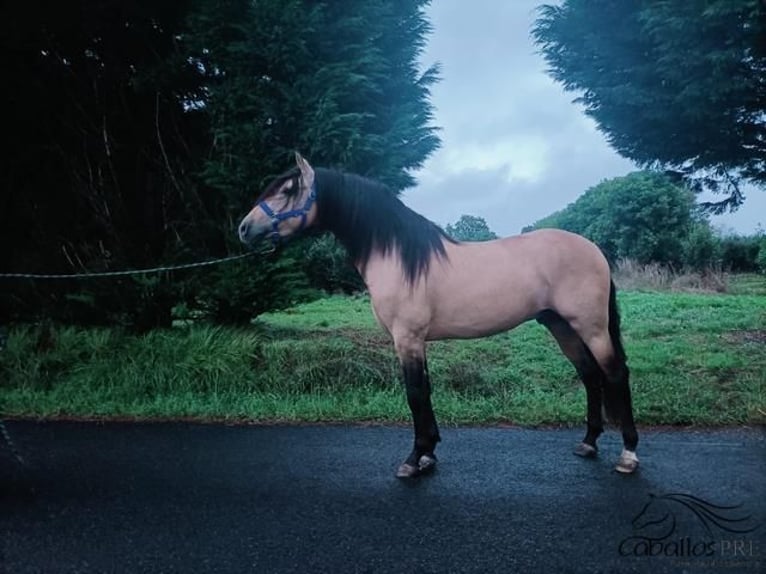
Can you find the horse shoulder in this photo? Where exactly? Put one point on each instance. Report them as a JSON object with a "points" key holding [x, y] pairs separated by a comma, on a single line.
{"points": [[396, 305]]}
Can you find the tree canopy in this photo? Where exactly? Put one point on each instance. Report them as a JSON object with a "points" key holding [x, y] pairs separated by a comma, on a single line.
{"points": [[138, 133], [675, 85], [342, 86], [470, 228], [642, 216]]}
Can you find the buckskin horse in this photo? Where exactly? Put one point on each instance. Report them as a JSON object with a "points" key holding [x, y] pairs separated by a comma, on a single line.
{"points": [[426, 286]]}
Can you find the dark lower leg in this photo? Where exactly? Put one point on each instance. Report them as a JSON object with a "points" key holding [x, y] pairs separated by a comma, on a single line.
{"points": [[620, 402], [628, 461], [587, 368], [418, 386], [595, 421], [629, 433]]}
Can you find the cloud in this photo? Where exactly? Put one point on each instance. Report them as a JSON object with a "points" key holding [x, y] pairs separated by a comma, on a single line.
{"points": [[515, 147], [508, 204], [517, 157]]}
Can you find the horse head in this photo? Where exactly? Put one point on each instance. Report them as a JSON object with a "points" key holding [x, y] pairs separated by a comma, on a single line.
{"points": [[287, 206]]}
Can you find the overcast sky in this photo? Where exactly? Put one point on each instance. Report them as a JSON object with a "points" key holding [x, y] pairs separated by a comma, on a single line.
{"points": [[514, 146]]}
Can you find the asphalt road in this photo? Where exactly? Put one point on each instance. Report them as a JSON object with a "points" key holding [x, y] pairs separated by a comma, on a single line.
{"points": [[194, 498]]}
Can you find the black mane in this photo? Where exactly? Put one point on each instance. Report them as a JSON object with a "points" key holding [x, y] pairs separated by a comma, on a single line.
{"points": [[367, 217]]}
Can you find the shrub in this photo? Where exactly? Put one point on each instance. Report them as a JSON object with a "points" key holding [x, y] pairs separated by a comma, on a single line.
{"points": [[700, 247], [236, 293], [739, 254], [329, 268], [642, 216], [761, 259]]}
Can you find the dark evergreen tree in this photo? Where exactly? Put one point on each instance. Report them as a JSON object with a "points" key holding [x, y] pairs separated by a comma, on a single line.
{"points": [[676, 85], [98, 142], [138, 133], [338, 81]]}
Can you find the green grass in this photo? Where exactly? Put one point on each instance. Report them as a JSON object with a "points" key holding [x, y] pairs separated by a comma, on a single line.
{"points": [[695, 359]]}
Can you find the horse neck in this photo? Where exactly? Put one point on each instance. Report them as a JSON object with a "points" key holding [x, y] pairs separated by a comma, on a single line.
{"points": [[370, 221], [354, 220]]}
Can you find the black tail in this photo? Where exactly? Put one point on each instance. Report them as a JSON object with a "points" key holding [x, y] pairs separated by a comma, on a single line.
{"points": [[616, 390], [614, 326]]}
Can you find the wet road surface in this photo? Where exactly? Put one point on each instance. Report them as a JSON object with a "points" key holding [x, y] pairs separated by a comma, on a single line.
{"points": [[155, 498]]}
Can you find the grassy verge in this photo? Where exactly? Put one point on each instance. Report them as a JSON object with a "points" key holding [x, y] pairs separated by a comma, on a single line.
{"points": [[695, 359]]}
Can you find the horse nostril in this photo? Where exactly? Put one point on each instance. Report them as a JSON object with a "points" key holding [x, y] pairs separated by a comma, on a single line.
{"points": [[244, 227]]}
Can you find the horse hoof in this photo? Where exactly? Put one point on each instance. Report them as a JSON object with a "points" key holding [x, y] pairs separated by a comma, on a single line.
{"points": [[628, 462], [427, 463], [407, 471], [585, 450]]}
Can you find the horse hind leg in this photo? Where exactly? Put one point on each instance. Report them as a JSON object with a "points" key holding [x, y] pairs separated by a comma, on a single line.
{"points": [[589, 372], [617, 396]]}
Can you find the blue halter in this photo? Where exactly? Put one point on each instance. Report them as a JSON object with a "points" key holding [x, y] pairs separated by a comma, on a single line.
{"points": [[277, 218]]}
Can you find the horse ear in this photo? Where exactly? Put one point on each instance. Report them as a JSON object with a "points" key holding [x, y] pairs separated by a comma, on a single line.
{"points": [[307, 172]]}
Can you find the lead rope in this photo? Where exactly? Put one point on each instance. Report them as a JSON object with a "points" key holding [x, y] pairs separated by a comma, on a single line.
{"points": [[11, 445], [131, 271], [3, 428]]}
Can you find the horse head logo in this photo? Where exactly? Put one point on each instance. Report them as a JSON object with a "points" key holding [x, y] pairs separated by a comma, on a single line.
{"points": [[657, 520]]}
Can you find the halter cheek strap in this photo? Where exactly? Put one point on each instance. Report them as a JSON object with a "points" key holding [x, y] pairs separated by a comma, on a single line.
{"points": [[277, 218]]}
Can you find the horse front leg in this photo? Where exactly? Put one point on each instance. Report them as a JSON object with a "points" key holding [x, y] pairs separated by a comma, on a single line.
{"points": [[416, 380]]}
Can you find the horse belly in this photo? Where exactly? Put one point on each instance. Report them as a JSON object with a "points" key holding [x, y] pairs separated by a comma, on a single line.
{"points": [[480, 310], [480, 290]]}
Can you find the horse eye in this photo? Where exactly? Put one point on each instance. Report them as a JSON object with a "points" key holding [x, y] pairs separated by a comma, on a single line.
{"points": [[293, 190]]}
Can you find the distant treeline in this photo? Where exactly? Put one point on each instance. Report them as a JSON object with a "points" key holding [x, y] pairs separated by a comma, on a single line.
{"points": [[647, 217]]}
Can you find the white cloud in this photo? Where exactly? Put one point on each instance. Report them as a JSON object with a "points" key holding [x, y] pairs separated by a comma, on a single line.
{"points": [[515, 147], [518, 158]]}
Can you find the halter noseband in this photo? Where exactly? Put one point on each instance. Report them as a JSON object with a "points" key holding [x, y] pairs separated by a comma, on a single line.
{"points": [[277, 218]]}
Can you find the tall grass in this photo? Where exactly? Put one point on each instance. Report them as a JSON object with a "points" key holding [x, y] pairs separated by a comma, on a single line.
{"points": [[633, 276], [695, 359]]}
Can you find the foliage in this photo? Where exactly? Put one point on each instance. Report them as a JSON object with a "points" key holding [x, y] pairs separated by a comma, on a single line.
{"points": [[470, 228], [236, 293], [97, 141], [740, 254], [701, 248], [341, 85], [139, 133], [695, 359], [329, 267], [677, 85], [641, 216], [761, 259]]}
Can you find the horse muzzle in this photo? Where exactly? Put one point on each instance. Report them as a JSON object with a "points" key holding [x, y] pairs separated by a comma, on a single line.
{"points": [[251, 232]]}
